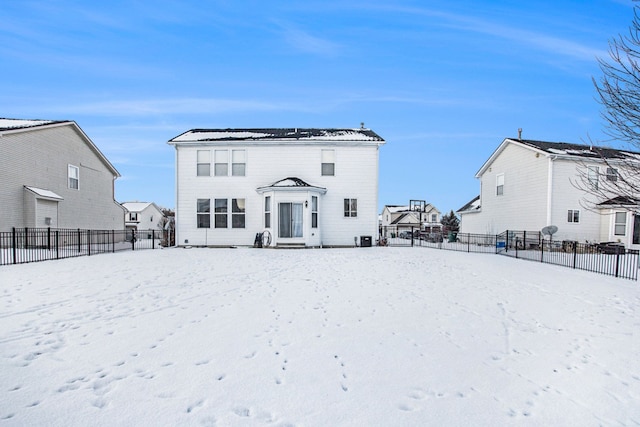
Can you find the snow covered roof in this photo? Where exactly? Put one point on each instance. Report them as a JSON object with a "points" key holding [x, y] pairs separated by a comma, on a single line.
{"points": [[48, 194], [361, 135], [12, 124], [291, 183], [563, 149], [137, 206], [619, 201], [472, 206]]}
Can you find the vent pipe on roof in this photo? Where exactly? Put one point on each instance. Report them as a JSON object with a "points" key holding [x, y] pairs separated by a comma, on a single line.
{"points": [[519, 134], [361, 125]]}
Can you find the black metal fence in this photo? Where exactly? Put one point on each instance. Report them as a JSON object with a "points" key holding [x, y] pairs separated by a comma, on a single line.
{"points": [[605, 258], [22, 245]]}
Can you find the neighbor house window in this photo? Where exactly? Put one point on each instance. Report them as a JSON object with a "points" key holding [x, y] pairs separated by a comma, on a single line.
{"points": [[221, 166], [204, 213], [133, 216], [592, 177], [612, 174], [237, 213], [500, 184], [620, 225], [74, 177], [328, 162], [204, 163], [267, 212], [238, 162], [573, 215], [350, 207], [220, 213], [434, 217], [314, 211]]}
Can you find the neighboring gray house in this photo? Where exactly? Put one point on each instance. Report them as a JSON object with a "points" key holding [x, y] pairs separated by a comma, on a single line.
{"points": [[143, 216], [53, 175]]}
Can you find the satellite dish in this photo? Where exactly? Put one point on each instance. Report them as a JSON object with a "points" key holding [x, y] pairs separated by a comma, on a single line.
{"points": [[549, 230]]}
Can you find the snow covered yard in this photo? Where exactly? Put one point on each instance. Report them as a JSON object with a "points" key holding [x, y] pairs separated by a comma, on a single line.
{"points": [[340, 337]]}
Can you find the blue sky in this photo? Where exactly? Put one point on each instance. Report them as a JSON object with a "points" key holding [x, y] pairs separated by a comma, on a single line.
{"points": [[442, 82]]}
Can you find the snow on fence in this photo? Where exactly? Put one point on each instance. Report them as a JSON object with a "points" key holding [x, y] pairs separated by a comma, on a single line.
{"points": [[22, 245], [605, 258]]}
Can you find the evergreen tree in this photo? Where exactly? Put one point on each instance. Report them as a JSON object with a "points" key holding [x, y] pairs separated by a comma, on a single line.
{"points": [[450, 222]]}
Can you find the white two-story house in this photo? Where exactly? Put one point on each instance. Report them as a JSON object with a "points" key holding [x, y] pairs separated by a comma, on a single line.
{"points": [[142, 216], [300, 187], [53, 175], [527, 185], [396, 218]]}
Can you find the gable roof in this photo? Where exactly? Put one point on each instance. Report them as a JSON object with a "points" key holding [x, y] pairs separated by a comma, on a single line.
{"points": [[562, 149], [291, 183], [10, 126], [290, 135], [138, 206], [619, 201], [472, 206]]}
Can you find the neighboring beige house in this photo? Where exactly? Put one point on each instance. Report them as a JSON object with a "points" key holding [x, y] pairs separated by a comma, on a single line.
{"points": [[397, 218], [53, 175], [527, 185], [302, 187], [143, 216]]}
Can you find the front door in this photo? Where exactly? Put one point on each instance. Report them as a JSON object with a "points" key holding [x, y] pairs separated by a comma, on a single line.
{"points": [[290, 220]]}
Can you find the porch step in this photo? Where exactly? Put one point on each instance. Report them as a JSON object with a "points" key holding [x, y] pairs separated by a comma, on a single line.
{"points": [[290, 245]]}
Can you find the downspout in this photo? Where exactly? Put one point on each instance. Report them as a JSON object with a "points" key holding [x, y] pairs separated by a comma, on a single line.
{"points": [[175, 210], [550, 188]]}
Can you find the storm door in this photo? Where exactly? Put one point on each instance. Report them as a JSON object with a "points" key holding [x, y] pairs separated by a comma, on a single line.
{"points": [[290, 220]]}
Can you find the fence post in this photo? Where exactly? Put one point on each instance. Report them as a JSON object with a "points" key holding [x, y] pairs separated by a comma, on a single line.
{"points": [[79, 241], [496, 243], [412, 236], [14, 245], [506, 241], [153, 239], [57, 244], [468, 242], [48, 238], [542, 250], [617, 261], [516, 247], [89, 242], [575, 253], [133, 240], [113, 241]]}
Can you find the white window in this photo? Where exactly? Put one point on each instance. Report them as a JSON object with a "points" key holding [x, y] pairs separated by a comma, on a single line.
{"points": [[133, 216], [328, 162], [237, 213], [612, 174], [573, 215], [314, 211], [592, 177], [620, 225], [434, 217], [204, 163], [74, 177], [203, 213], [500, 184], [220, 213], [221, 166], [350, 207], [267, 212], [238, 162]]}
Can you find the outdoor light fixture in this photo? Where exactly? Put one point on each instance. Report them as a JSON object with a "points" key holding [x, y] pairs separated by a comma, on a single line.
{"points": [[306, 203]]}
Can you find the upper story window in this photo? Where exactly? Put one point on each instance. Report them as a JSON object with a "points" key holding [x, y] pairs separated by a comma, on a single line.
{"points": [[434, 217], [204, 163], [74, 177], [500, 184], [133, 216], [350, 207], [612, 174], [221, 166], [592, 177], [204, 213], [238, 162], [328, 162]]}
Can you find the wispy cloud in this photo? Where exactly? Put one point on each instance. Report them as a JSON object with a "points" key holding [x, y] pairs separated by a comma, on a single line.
{"points": [[303, 41]]}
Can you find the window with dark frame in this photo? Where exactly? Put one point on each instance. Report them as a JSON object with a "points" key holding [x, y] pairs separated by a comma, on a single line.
{"points": [[203, 213], [612, 174]]}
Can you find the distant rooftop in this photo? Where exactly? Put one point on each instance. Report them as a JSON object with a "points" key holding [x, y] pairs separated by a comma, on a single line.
{"points": [[579, 150], [279, 134]]}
